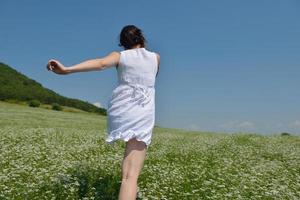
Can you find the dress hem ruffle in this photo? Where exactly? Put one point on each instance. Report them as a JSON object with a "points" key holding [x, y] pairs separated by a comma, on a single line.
{"points": [[126, 136]]}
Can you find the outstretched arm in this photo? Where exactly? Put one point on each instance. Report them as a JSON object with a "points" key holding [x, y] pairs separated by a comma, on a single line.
{"points": [[88, 65]]}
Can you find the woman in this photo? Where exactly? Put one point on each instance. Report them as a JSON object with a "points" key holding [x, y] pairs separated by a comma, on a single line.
{"points": [[131, 108]]}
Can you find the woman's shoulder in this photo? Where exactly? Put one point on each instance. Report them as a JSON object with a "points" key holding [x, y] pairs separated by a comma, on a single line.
{"points": [[154, 53], [157, 55], [143, 50]]}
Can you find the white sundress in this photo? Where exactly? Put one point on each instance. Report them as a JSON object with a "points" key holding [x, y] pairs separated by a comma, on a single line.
{"points": [[131, 108]]}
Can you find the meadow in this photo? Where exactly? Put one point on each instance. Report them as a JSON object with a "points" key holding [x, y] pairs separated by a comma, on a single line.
{"points": [[47, 154]]}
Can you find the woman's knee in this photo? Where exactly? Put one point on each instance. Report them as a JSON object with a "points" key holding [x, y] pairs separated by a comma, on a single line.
{"points": [[130, 170], [133, 159]]}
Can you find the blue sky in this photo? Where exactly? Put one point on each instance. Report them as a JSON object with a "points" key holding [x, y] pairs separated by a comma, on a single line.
{"points": [[226, 66]]}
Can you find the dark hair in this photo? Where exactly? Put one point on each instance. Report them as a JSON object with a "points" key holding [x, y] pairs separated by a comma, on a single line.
{"points": [[131, 36]]}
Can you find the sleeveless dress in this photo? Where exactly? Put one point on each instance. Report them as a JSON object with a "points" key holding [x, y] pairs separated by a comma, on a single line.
{"points": [[131, 107]]}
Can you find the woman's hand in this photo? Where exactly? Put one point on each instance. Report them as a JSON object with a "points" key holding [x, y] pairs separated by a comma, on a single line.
{"points": [[56, 67]]}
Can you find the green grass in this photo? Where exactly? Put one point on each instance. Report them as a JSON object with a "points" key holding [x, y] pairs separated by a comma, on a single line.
{"points": [[48, 154], [46, 106]]}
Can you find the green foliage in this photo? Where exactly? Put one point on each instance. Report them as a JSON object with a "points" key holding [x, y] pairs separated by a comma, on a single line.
{"points": [[14, 85], [285, 134], [34, 103], [56, 106]]}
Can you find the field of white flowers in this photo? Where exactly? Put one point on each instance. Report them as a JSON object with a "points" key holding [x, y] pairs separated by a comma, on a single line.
{"points": [[46, 154]]}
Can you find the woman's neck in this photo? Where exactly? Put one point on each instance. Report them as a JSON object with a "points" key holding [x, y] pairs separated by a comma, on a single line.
{"points": [[137, 46]]}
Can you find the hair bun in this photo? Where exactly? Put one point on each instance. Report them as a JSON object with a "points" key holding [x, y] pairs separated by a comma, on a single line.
{"points": [[131, 36]]}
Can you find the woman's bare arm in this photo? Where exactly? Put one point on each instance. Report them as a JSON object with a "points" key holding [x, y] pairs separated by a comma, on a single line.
{"points": [[158, 61], [88, 65]]}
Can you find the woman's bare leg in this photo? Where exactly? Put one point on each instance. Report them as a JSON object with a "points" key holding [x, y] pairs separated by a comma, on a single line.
{"points": [[132, 165]]}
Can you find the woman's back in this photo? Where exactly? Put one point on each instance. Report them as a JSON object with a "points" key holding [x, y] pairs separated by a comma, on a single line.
{"points": [[137, 66], [131, 108]]}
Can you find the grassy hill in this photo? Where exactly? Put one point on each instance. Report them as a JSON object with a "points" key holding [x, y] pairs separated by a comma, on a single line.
{"points": [[16, 86], [59, 155]]}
